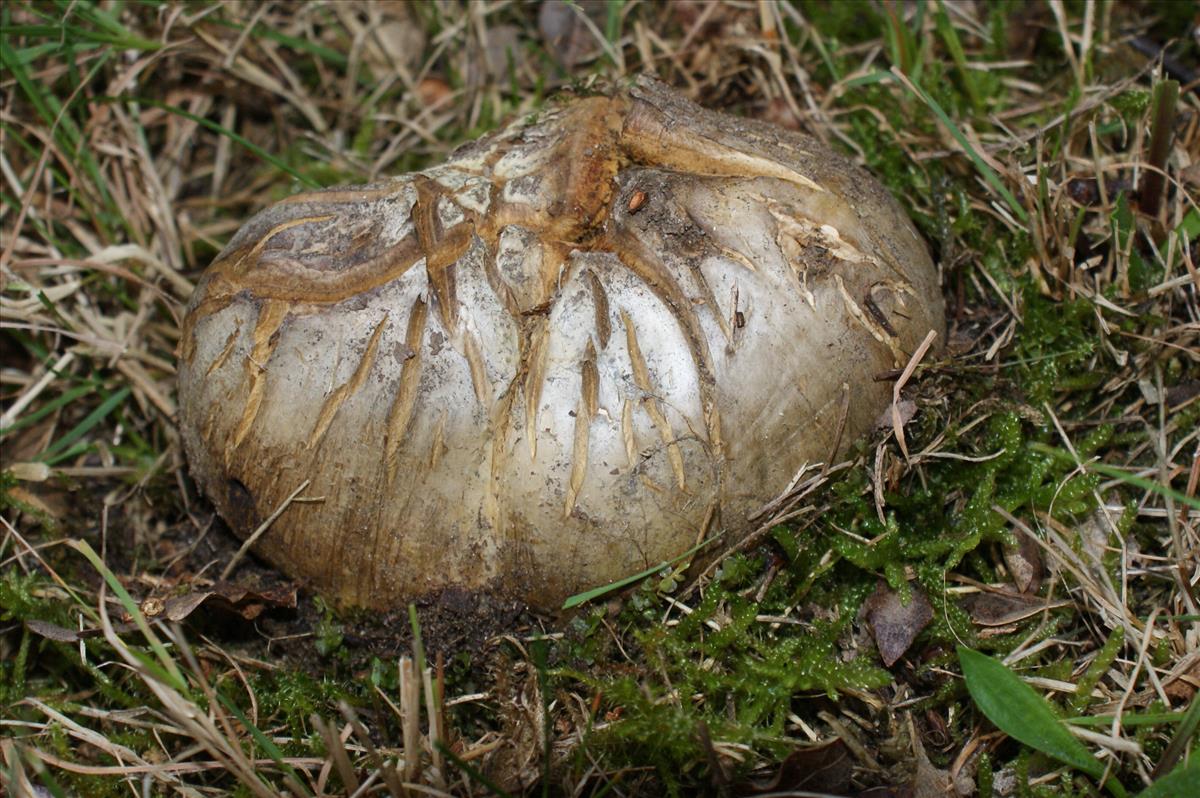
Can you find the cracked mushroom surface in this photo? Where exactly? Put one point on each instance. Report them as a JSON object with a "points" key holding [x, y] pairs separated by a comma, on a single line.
{"points": [[579, 346]]}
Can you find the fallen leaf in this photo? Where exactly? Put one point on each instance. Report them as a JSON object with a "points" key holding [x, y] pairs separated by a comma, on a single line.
{"points": [[894, 623], [432, 92], [907, 409], [1000, 607], [1184, 686], [1094, 534], [1184, 392], [51, 502], [1024, 561], [61, 634], [564, 32], [52, 631], [926, 779], [503, 47], [779, 112], [245, 602], [933, 782], [395, 37], [822, 768]]}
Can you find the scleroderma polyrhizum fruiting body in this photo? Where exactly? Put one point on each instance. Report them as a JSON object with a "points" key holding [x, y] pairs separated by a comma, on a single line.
{"points": [[582, 344]]}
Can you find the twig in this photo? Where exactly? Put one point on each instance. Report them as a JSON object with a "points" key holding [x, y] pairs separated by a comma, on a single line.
{"points": [[254, 536], [897, 422], [1150, 192]]}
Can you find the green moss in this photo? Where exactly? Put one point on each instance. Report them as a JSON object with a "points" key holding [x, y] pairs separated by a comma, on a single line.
{"points": [[739, 680], [1142, 272], [292, 697], [328, 631], [9, 502], [1091, 677]]}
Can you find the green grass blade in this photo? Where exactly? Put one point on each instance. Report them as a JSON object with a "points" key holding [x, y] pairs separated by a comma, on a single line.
{"points": [[216, 128], [823, 51], [950, 37], [37, 415], [902, 45], [327, 54], [105, 24], [174, 677], [596, 592], [417, 645], [1113, 472], [80, 447], [265, 743], [1128, 720], [91, 420], [869, 79], [41, 101], [83, 37], [1145, 484], [1183, 780], [1185, 735], [988, 173], [1189, 228], [1018, 711], [612, 20], [28, 55], [58, 119]]}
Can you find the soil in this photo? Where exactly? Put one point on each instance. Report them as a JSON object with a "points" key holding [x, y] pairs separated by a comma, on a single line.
{"points": [[452, 622]]}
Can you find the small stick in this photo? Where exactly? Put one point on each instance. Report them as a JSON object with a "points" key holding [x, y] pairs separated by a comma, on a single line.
{"points": [[258, 533], [897, 422], [433, 712], [1150, 192], [410, 710]]}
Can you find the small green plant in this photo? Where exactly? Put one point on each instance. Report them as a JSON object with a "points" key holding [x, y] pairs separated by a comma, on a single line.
{"points": [[1018, 711], [1021, 713]]}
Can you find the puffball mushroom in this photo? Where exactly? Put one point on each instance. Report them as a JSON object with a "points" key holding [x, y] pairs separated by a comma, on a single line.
{"points": [[579, 346]]}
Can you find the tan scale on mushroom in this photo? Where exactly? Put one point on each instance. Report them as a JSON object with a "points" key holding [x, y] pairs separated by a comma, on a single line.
{"points": [[579, 346]]}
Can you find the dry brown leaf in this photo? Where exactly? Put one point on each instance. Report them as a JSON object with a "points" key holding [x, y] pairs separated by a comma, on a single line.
{"points": [[822, 768], [236, 598], [245, 602], [906, 408], [1024, 561], [999, 607], [894, 623], [565, 33], [62, 634], [1185, 685]]}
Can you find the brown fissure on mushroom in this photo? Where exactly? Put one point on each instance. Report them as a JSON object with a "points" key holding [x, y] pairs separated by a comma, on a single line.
{"points": [[226, 351], [405, 400], [635, 257], [479, 379], [600, 299], [535, 377], [334, 401], [877, 331], [649, 400], [271, 316]]}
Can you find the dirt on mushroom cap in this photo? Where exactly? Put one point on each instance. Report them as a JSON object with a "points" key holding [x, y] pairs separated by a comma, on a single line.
{"points": [[566, 355]]}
